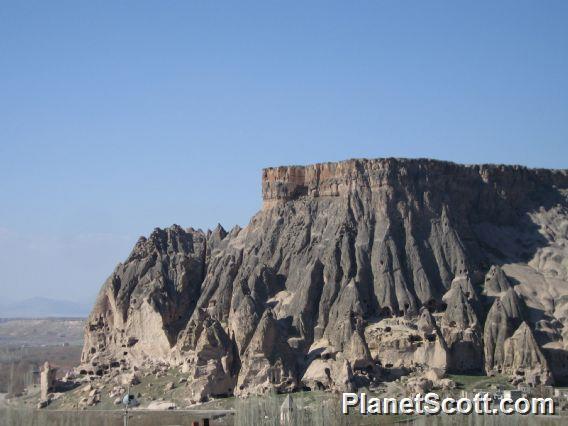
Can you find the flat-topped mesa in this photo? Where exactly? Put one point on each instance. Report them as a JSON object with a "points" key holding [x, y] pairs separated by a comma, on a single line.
{"points": [[339, 272], [285, 183]]}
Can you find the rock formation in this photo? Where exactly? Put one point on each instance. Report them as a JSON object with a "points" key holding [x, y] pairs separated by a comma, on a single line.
{"points": [[47, 381], [461, 327], [210, 360], [502, 320], [523, 357], [267, 363], [351, 270]]}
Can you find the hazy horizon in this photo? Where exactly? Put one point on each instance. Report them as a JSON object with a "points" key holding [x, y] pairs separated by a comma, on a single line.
{"points": [[137, 115]]}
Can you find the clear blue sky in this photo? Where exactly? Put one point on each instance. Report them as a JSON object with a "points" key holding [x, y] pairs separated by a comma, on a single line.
{"points": [[119, 116]]}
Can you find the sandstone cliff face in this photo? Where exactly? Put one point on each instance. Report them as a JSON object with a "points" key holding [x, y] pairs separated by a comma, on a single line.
{"points": [[350, 268]]}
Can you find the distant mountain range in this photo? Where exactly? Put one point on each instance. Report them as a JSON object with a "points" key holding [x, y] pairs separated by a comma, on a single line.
{"points": [[42, 307]]}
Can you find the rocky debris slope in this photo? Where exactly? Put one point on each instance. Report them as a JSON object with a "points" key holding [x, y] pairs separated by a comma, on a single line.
{"points": [[350, 271]]}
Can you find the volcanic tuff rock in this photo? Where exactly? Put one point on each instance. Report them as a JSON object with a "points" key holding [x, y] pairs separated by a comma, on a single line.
{"points": [[351, 270], [47, 380]]}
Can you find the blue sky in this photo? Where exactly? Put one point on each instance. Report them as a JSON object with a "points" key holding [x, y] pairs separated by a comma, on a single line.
{"points": [[119, 116]]}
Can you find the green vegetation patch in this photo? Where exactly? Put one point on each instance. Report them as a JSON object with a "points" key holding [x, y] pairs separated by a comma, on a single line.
{"points": [[470, 382]]}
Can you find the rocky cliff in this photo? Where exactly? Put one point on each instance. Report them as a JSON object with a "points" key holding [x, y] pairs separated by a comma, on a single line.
{"points": [[348, 271]]}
